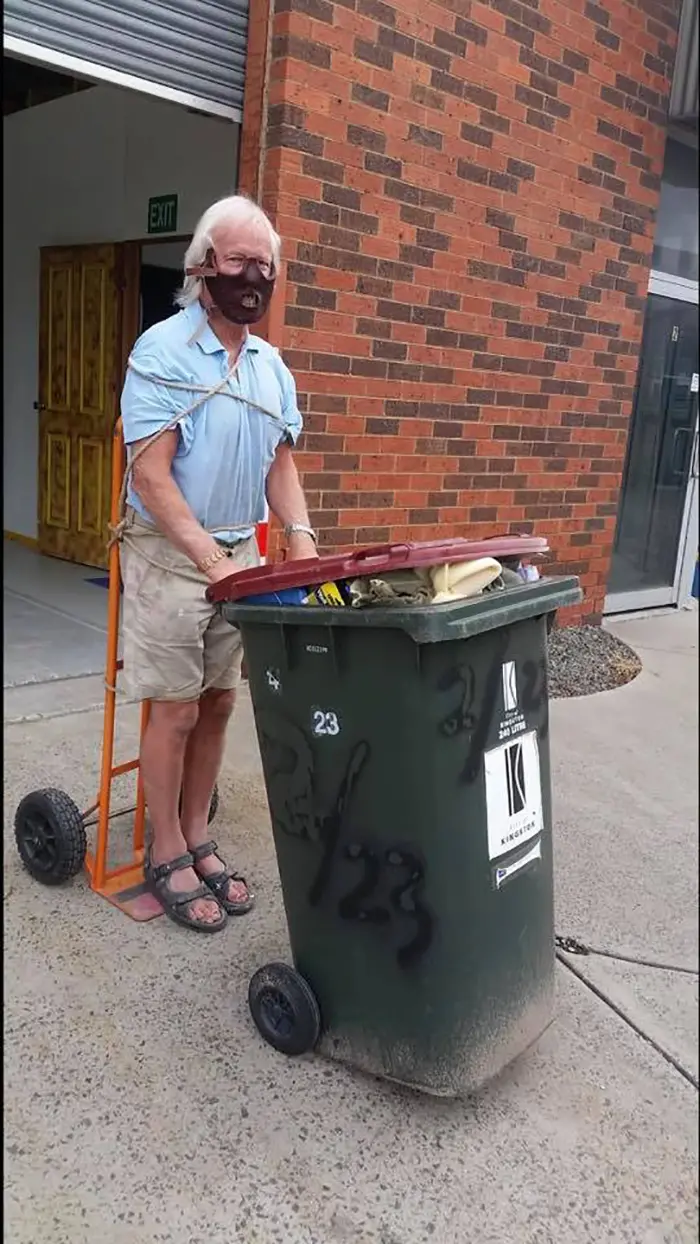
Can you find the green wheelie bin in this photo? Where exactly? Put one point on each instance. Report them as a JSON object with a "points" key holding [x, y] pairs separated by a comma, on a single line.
{"points": [[406, 760]]}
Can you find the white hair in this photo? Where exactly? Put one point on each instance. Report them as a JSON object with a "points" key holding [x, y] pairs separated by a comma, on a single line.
{"points": [[236, 208]]}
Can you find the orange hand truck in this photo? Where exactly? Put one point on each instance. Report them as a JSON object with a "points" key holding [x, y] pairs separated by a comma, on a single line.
{"points": [[50, 829]]}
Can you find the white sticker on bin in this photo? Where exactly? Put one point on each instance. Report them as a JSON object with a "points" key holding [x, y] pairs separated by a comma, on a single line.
{"points": [[508, 870], [513, 720], [513, 794]]}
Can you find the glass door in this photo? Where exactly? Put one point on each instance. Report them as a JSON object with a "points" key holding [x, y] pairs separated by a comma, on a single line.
{"points": [[655, 501]]}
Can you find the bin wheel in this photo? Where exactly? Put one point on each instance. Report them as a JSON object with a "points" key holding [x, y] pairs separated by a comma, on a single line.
{"points": [[213, 806], [284, 1009], [50, 836]]}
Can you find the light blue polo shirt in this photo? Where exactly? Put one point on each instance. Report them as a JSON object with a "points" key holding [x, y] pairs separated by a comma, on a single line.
{"points": [[225, 447]]}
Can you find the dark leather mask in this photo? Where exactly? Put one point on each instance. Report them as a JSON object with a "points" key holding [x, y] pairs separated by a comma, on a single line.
{"points": [[241, 299]]}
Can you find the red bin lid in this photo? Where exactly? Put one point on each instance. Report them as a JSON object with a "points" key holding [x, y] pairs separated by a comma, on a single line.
{"points": [[375, 560]]}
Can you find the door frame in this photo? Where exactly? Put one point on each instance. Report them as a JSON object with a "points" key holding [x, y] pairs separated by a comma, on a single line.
{"points": [[127, 310], [665, 285]]}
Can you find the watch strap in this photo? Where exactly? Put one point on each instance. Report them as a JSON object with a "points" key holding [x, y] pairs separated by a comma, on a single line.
{"points": [[292, 529]]}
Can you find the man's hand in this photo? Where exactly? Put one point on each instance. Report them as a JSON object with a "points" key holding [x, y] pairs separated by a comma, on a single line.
{"points": [[222, 569], [301, 546]]}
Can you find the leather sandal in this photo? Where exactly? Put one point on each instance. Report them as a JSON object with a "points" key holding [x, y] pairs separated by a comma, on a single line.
{"points": [[176, 905], [218, 883]]}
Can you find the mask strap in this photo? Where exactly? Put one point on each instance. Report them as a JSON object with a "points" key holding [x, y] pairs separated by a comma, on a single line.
{"points": [[208, 268]]}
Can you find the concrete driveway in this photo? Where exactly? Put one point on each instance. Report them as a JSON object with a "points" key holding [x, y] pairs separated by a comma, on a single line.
{"points": [[142, 1107]]}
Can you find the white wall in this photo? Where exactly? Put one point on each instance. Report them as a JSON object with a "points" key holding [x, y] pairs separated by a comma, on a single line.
{"points": [[77, 170]]}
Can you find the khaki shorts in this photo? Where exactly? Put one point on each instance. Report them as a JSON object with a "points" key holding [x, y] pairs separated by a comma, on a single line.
{"points": [[175, 644]]}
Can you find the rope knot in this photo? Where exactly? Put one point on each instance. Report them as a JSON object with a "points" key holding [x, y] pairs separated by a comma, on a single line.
{"points": [[116, 532]]}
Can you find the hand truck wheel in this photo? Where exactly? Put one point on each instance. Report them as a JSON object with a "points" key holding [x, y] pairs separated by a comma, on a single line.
{"points": [[50, 836]]}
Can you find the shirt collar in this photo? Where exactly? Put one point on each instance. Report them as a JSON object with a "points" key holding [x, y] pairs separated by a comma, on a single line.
{"points": [[204, 336]]}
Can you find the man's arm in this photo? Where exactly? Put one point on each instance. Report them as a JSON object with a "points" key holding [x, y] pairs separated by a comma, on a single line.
{"points": [[286, 500], [153, 481]]}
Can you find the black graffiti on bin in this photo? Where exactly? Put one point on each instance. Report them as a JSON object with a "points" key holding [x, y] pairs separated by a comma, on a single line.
{"points": [[391, 883], [475, 709], [405, 899], [535, 693]]}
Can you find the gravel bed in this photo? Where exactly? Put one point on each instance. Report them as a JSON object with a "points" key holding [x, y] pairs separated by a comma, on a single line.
{"points": [[586, 659]]}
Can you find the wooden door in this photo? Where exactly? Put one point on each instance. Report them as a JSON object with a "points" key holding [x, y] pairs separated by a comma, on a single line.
{"points": [[80, 370]]}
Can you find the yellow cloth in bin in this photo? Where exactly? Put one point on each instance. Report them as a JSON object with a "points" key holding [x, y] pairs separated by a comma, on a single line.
{"points": [[463, 579], [325, 594]]}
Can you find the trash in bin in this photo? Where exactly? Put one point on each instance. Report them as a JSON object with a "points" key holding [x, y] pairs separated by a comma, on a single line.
{"points": [[406, 760], [421, 573], [337, 595]]}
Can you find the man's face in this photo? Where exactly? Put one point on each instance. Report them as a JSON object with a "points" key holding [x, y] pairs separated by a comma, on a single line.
{"points": [[242, 257], [234, 243]]}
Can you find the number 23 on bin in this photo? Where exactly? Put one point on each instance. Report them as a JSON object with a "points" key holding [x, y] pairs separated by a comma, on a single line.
{"points": [[324, 724]]}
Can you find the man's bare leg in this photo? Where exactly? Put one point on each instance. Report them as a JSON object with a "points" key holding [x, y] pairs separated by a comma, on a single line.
{"points": [[163, 749], [202, 762]]}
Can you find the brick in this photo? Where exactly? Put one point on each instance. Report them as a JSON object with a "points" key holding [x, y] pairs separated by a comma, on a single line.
{"points": [[398, 42], [449, 43], [518, 168], [465, 347], [373, 54], [417, 255], [471, 32], [595, 13], [446, 83], [475, 94], [416, 216], [426, 137], [607, 39], [373, 99], [378, 11], [476, 134], [311, 210], [540, 120], [432, 56], [576, 61], [320, 10], [383, 165], [293, 138], [472, 172], [309, 296], [323, 170], [341, 196], [426, 97], [520, 33], [444, 299], [362, 136], [492, 121], [301, 49]]}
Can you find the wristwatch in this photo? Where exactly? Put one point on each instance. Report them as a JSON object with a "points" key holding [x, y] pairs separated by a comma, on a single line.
{"points": [[300, 529]]}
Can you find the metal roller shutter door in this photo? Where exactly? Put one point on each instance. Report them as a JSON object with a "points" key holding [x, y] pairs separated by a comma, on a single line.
{"points": [[191, 51], [683, 105]]}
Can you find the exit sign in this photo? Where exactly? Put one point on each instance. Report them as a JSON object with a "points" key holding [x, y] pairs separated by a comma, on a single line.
{"points": [[162, 214]]}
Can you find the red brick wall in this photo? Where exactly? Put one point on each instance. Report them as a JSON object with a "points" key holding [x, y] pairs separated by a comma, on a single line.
{"points": [[466, 193]]}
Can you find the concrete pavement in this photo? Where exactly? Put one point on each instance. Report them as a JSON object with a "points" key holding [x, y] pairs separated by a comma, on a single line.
{"points": [[141, 1106]]}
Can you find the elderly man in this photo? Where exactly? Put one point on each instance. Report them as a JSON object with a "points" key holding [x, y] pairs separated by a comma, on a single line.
{"points": [[210, 418]]}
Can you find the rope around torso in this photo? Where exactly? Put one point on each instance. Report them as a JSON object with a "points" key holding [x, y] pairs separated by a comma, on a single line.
{"points": [[120, 532], [205, 394]]}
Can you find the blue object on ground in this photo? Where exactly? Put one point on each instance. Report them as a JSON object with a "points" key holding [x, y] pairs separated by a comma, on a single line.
{"points": [[103, 581], [696, 581]]}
